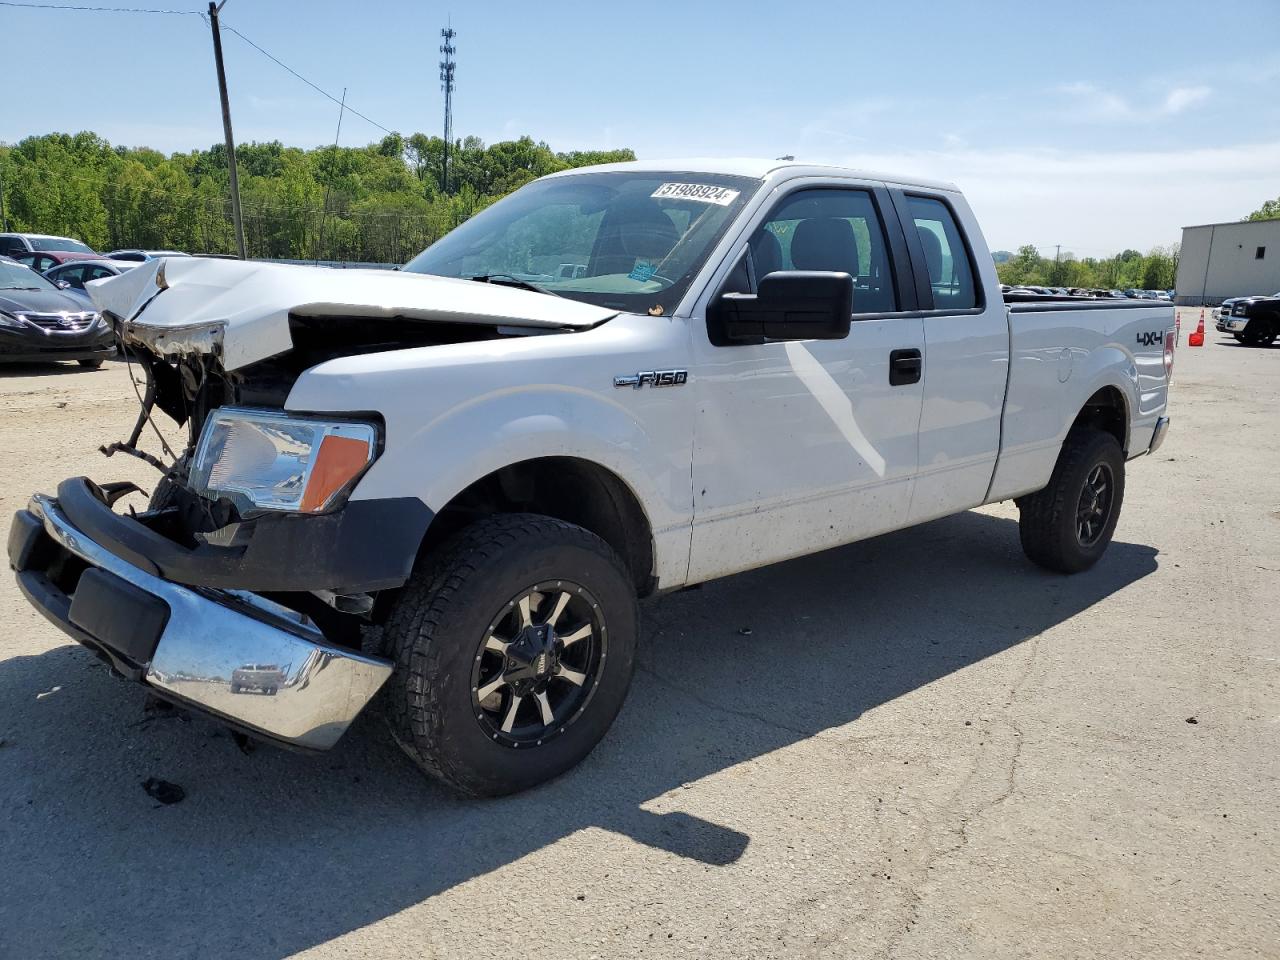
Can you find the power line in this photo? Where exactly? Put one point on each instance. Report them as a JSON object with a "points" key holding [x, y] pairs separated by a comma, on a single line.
{"points": [[317, 89], [67, 6]]}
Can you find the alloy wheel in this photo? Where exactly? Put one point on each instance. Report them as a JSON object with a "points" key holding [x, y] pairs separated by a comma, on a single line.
{"points": [[1094, 507], [538, 664]]}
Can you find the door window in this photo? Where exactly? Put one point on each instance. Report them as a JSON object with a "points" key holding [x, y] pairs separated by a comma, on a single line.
{"points": [[824, 229], [950, 272], [73, 276]]}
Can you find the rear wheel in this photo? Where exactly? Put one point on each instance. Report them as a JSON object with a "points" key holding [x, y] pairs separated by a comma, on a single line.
{"points": [[1067, 526], [91, 364], [513, 653]]}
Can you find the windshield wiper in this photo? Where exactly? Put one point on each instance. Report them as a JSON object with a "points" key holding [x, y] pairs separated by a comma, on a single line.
{"points": [[506, 280]]}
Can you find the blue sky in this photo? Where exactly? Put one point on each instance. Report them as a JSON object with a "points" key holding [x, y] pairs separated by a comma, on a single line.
{"points": [[1093, 125]]}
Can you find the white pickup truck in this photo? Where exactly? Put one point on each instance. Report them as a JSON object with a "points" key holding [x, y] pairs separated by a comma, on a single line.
{"points": [[454, 482]]}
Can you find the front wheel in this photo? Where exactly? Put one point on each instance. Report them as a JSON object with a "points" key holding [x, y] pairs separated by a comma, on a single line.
{"points": [[1260, 333], [1067, 526], [513, 653], [91, 364]]}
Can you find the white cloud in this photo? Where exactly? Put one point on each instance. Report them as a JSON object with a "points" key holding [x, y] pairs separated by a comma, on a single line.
{"points": [[1094, 104], [1180, 98], [1094, 202]]}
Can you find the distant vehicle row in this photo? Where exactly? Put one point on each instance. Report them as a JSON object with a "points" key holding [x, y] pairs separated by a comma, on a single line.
{"points": [[42, 251], [1253, 321], [1130, 294]]}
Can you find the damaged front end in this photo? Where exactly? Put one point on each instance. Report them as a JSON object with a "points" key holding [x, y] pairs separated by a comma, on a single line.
{"points": [[229, 577]]}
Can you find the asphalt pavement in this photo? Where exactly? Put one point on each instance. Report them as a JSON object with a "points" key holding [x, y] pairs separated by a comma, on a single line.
{"points": [[917, 746]]}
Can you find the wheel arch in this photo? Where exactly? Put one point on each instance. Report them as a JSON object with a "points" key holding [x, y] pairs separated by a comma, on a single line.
{"points": [[573, 489], [1107, 409]]}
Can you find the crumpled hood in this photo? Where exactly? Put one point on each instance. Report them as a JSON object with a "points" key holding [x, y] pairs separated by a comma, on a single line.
{"points": [[241, 309]]}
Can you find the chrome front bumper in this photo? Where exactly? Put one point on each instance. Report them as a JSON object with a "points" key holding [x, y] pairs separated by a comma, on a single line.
{"points": [[317, 688], [1157, 437]]}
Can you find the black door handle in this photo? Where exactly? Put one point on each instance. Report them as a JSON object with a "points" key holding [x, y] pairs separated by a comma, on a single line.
{"points": [[904, 367]]}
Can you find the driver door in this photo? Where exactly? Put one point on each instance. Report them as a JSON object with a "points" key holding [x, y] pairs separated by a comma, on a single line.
{"points": [[807, 444]]}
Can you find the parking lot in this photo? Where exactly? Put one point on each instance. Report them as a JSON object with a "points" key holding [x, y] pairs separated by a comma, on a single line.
{"points": [[916, 746]]}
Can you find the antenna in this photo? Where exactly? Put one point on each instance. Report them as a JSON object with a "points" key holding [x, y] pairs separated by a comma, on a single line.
{"points": [[446, 84]]}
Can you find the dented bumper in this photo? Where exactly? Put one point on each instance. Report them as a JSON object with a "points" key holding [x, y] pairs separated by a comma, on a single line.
{"points": [[187, 643]]}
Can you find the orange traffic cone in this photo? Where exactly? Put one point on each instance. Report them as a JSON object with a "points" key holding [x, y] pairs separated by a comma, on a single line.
{"points": [[1197, 339]]}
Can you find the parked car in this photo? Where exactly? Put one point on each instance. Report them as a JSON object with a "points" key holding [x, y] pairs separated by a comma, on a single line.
{"points": [[467, 473], [12, 244], [142, 256], [40, 322], [1253, 321], [43, 260], [73, 275], [264, 678]]}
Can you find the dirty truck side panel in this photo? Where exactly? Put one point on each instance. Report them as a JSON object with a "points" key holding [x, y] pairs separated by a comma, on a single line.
{"points": [[1061, 358]]}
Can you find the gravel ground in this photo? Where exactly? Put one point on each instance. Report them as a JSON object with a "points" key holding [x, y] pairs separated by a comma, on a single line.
{"points": [[923, 747]]}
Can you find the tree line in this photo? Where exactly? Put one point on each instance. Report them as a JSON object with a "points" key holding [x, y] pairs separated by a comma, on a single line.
{"points": [[1155, 270], [381, 203]]}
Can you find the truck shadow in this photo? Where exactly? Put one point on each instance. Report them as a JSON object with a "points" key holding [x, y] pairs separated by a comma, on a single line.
{"points": [[271, 853]]}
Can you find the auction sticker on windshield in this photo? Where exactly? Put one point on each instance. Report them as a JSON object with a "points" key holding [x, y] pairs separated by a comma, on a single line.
{"points": [[701, 192]]}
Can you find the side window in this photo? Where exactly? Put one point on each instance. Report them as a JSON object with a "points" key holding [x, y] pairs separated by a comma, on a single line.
{"points": [[73, 276], [823, 229], [950, 273]]}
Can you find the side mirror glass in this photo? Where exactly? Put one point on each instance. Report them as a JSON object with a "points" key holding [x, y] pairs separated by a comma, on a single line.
{"points": [[788, 305]]}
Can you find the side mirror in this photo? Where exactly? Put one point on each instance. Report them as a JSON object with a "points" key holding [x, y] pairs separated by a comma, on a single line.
{"points": [[64, 284], [788, 305]]}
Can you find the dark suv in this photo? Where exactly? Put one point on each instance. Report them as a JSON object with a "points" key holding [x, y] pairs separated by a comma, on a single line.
{"points": [[1253, 321]]}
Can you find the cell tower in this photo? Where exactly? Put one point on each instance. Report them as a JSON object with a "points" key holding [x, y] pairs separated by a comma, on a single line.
{"points": [[446, 84]]}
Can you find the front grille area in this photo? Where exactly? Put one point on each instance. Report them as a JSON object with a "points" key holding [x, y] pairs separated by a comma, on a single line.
{"points": [[61, 322]]}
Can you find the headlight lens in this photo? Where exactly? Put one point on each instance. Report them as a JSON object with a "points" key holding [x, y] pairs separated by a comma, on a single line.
{"points": [[264, 460]]}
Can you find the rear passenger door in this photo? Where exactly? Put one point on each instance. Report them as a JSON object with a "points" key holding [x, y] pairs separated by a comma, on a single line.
{"points": [[966, 355], [801, 445]]}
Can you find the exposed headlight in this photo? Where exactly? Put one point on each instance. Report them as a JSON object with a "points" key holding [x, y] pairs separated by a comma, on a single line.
{"points": [[101, 322], [10, 321], [265, 460]]}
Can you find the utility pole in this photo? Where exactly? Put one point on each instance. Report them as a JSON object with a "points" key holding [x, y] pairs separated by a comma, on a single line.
{"points": [[446, 84], [4, 216], [226, 126], [1057, 272]]}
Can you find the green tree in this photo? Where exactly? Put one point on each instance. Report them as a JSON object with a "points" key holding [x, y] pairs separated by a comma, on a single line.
{"points": [[1268, 211]]}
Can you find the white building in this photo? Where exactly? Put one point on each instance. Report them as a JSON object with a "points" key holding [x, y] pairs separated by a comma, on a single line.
{"points": [[1221, 260]]}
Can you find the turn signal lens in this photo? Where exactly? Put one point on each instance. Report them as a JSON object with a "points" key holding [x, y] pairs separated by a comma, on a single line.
{"points": [[1170, 341], [341, 459]]}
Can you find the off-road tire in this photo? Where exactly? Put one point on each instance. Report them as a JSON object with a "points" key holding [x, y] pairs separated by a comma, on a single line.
{"points": [[92, 364], [440, 621], [1047, 519]]}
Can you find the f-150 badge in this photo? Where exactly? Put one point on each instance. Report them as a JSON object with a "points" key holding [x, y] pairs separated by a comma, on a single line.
{"points": [[653, 378]]}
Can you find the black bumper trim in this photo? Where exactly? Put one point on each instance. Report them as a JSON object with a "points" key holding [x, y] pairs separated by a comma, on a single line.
{"points": [[55, 606], [368, 545]]}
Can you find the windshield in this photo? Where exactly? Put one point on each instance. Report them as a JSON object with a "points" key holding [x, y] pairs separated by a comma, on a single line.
{"points": [[58, 243], [628, 241], [14, 276]]}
